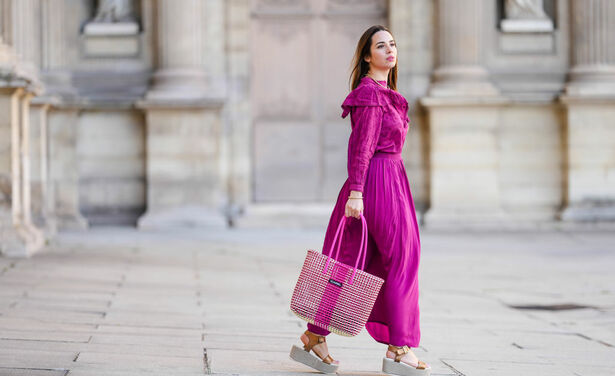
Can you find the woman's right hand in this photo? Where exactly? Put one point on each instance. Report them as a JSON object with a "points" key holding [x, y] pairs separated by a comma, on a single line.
{"points": [[354, 205]]}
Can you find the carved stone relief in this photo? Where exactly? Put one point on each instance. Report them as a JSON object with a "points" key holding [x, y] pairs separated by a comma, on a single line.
{"points": [[525, 9], [113, 17], [526, 16], [115, 11], [113, 32]]}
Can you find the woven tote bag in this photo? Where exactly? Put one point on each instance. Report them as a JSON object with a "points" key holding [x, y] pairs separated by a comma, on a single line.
{"points": [[333, 295]]}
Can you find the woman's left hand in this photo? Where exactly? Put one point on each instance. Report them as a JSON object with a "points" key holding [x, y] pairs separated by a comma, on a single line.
{"points": [[354, 205]]}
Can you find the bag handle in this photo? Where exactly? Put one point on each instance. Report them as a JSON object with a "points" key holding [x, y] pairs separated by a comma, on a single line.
{"points": [[362, 247]]}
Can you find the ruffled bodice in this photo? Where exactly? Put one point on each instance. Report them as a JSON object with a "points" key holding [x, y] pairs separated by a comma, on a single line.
{"points": [[369, 93], [379, 122]]}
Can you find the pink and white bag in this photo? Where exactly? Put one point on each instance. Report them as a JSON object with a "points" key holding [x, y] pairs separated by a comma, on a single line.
{"points": [[333, 295]]}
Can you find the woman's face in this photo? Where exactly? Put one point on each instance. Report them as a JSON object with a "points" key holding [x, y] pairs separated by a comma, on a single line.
{"points": [[383, 51]]}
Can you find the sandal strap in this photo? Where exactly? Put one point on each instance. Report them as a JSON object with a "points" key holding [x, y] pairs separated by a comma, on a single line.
{"points": [[313, 340], [399, 351]]}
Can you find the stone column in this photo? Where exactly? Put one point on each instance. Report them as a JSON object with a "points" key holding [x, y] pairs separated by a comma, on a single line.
{"points": [[593, 49], [14, 111], [35, 236], [42, 195], [63, 169], [26, 35], [5, 24], [61, 118], [54, 61], [460, 71], [18, 60], [590, 101], [190, 72], [238, 107], [186, 183], [18, 236], [463, 108]]}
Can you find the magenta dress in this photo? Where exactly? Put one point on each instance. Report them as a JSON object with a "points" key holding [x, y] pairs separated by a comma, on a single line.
{"points": [[379, 120]]}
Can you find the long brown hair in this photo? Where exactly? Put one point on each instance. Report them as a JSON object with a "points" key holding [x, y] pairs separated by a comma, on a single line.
{"points": [[361, 67]]}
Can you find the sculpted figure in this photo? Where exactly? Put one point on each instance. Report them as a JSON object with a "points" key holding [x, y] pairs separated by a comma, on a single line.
{"points": [[115, 11], [525, 9]]}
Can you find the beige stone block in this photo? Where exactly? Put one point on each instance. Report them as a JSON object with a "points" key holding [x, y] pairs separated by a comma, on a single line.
{"points": [[532, 158], [112, 168], [5, 142], [335, 173], [587, 156], [140, 361], [185, 146], [286, 162], [63, 168], [38, 359], [464, 162], [111, 46], [163, 194], [111, 150], [464, 158], [182, 167], [592, 184], [185, 181], [591, 161], [416, 156], [526, 44], [335, 158], [103, 194], [111, 132], [276, 95], [341, 40], [475, 188]]}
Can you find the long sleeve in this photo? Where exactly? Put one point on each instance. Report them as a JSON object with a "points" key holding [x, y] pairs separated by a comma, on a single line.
{"points": [[363, 140]]}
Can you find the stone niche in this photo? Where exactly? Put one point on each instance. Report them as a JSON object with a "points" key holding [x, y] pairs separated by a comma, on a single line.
{"points": [[526, 26], [114, 31]]}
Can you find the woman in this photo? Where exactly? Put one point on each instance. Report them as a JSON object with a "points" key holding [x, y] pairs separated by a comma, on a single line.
{"points": [[377, 186]]}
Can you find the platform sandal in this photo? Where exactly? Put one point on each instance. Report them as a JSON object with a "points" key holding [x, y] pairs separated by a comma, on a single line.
{"points": [[397, 367], [324, 364]]}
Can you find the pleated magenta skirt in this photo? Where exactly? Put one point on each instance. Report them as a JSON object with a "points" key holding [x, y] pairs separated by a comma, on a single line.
{"points": [[393, 249]]}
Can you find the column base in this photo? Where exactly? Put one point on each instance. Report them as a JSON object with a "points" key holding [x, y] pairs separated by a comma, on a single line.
{"points": [[184, 87], [462, 81], [182, 217], [285, 215], [591, 81], [449, 218], [72, 221], [22, 241]]}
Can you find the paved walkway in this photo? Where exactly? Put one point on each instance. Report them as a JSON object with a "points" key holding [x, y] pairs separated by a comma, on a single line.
{"points": [[121, 302]]}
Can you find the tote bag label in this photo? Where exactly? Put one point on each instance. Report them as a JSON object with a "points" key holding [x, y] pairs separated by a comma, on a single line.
{"points": [[331, 294]]}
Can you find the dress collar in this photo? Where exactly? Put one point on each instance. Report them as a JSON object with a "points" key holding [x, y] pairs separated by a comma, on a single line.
{"points": [[396, 97], [371, 80]]}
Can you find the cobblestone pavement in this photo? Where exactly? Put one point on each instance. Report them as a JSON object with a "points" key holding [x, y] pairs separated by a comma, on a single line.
{"points": [[116, 301]]}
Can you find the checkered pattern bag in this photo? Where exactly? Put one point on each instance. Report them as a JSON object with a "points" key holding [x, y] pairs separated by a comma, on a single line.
{"points": [[333, 295]]}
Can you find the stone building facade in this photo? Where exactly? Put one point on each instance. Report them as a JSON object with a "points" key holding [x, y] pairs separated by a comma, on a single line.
{"points": [[217, 113]]}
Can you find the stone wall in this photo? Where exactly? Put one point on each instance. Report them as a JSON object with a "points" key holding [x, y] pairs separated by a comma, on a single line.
{"points": [[111, 166], [511, 112]]}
